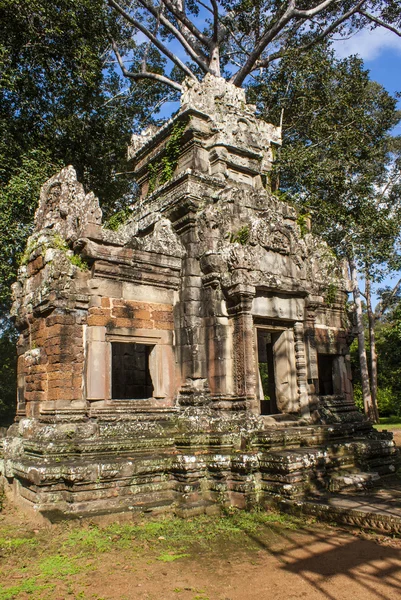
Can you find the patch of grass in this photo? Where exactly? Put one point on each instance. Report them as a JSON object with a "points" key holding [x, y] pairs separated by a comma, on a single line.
{"points": [[390, 420], [167, 557], [91, 538], [12, 543], [59, 566], [28, 586], [175, 534]]}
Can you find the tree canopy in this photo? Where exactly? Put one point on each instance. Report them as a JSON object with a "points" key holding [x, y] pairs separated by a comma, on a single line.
{"points": [[238, 37]]}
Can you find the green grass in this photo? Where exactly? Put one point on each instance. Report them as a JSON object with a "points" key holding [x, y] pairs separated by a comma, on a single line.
{"points": [[28, 586], [55, 563], [388, 423], [12, 543], [167, 557], [390, 420]]}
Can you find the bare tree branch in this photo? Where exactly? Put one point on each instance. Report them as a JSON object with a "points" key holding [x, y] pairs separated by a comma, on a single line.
{"points": [[379, 22], [279, 54], [313, 11], [205, 6], [266, 38], [181, 16], [153, 39], [144, 74], [270, 33], [187, 42], [383, 305], [326, 32], [215, 20]]}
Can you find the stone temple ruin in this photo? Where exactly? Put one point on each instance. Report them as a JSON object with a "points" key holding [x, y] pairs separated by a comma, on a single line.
{"points": [[197, 356]]}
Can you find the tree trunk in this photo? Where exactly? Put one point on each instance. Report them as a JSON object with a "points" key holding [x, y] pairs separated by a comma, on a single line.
{"points": [[372, 339], [367, 398]]}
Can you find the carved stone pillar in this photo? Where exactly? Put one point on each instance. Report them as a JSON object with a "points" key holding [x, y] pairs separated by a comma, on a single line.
{"points": [[310, 343], [244, 342], [300, 361]]}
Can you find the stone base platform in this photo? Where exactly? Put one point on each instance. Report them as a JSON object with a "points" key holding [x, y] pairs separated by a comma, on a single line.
{"points": [[378, 509], [65, 471]]}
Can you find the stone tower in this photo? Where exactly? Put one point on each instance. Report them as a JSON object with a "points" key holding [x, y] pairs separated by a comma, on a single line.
{"points": [[198, 354]]}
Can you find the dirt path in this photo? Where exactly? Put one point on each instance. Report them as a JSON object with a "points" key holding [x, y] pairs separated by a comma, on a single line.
{"points": [[234, 557], [397, 435]]}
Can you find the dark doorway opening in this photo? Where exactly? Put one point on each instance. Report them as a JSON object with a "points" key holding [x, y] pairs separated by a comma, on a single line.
{"points": [[266, 339], [130, 375], [325, 367]]}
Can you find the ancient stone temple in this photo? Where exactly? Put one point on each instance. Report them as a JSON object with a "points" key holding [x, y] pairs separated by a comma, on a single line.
{"points": [[195, 356]]}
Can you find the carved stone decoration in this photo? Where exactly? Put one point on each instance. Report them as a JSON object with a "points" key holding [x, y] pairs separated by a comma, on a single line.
{"points": [[65, 208], [140, 140], [163, 240]]}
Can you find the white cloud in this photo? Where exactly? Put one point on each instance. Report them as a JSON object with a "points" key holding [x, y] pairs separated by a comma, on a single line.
{"points": [[368, 44]]}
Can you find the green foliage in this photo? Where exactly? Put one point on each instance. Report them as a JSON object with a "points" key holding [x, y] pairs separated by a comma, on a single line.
{"points": [[337, 147], [241, 236], [75, 259], [118, 218], [161, 172], [303, 223], [8, 380], [390, 420], [264, 376], [331, 294], [388, 342], [28, 586], [153, 176], [172, 152], [59, 566]]}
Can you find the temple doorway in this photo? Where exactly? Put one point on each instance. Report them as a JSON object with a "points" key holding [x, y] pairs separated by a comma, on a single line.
{"points": [[266, 367]]}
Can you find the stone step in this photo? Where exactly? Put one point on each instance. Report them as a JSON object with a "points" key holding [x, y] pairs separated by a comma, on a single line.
{"points": [[353, 481], [378, 509]]}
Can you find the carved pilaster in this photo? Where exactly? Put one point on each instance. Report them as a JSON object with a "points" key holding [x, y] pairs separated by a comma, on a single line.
{"points": [[310, 343], [300, 361], [244, 343]]}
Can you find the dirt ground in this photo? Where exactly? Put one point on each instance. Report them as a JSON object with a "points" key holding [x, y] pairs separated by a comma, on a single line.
{"points": [[397, 436], [237, 556]]}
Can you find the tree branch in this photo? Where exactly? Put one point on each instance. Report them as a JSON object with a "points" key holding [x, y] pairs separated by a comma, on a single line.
{"points": [[144, 74], [153, 39], [383, 306], [215, 20], [182, 18], [267, 37], [313, 11], [379, 22], [279, 54], [189, 45]]}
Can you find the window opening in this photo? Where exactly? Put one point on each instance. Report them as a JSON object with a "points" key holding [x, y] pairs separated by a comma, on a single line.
{"points": [[268, 404], [130, 374], [325, 364]]}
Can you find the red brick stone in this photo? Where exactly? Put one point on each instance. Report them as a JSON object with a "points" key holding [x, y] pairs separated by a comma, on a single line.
{"points": [[164, 316]]}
